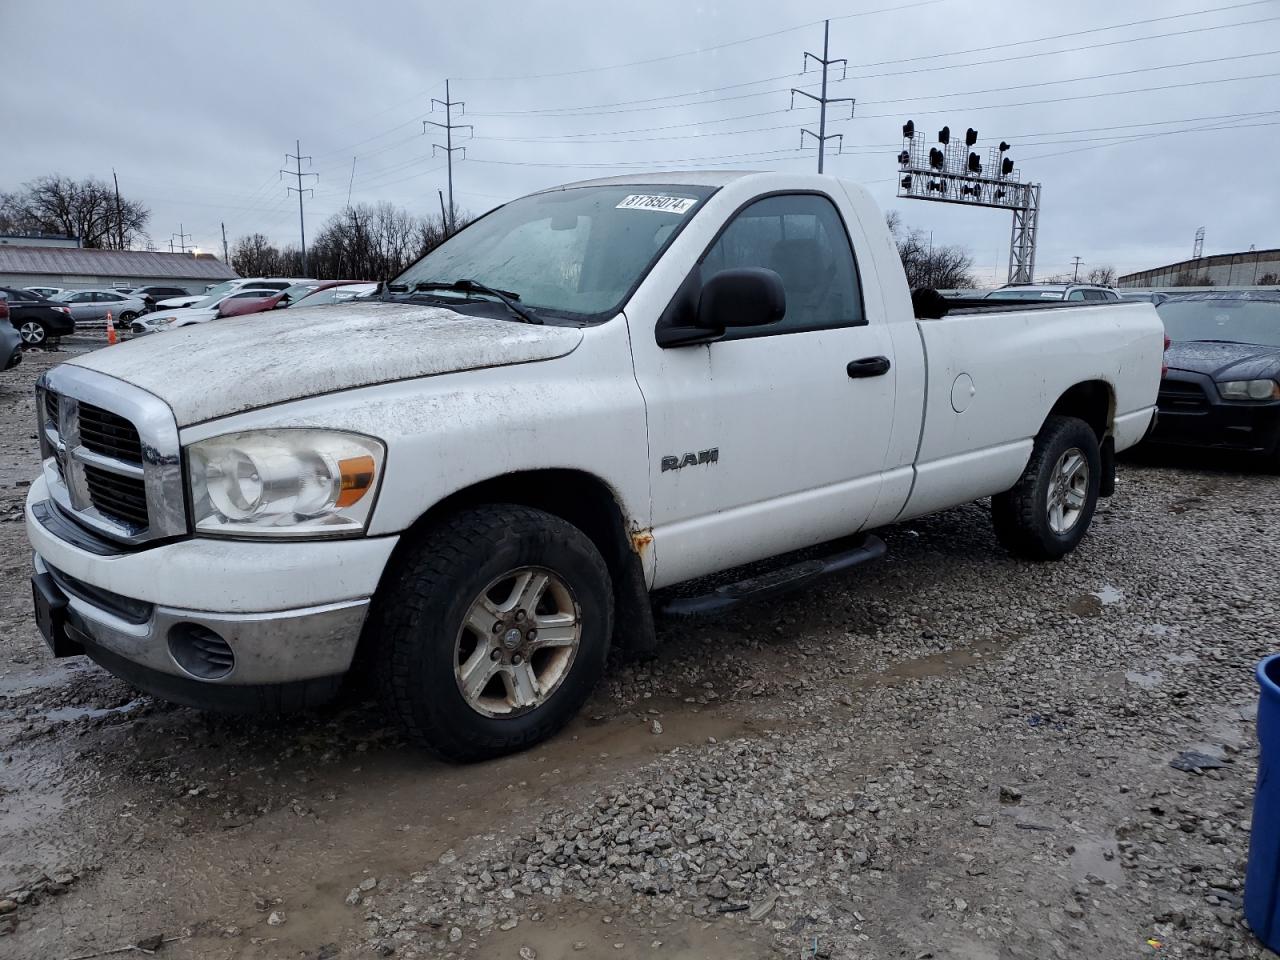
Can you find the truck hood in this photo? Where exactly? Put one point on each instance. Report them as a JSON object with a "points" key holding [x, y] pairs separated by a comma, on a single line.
{"points": [[216, 369], [1224, 361]]}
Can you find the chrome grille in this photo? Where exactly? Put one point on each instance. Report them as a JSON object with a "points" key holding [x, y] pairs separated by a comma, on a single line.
{"points": [[111, 455], [109, 434], [124, 498]]}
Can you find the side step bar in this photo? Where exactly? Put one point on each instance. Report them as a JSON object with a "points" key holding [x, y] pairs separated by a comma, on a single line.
{"points": [[782, 580]]}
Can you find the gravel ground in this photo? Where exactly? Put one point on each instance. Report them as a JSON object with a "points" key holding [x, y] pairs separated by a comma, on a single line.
{"points": [[951, 754]]}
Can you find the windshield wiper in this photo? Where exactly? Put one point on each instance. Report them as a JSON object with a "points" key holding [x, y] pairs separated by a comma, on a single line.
{"points": [[506, 297]]}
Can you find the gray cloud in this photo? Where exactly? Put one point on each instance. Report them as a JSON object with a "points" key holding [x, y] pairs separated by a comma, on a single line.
{"points": [[196, 105]]}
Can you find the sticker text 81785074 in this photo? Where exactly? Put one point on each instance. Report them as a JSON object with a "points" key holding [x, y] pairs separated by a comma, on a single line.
{"points": [[657, 203]]}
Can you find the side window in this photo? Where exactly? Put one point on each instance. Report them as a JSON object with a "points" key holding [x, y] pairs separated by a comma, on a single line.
{"points": [[1110, 295], [802, 239], [1076, 295], [1094, 295]]}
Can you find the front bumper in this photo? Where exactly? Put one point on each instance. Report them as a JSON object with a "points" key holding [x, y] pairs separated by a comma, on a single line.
{"points": [[1192, 414], [288, 612]]}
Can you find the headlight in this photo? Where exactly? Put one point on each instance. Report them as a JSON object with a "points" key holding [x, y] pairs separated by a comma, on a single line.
{"points": [[1249, 390], [284, 483]]}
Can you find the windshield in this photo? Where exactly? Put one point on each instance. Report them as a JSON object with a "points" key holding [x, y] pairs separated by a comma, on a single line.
{"points": [[225, 287], [298, 291], [1024, 293], [336, 294], [578, 251], [1236, 321]]}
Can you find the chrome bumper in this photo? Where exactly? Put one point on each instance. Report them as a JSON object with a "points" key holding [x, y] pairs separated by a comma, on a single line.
{"points": [[269, 648]]}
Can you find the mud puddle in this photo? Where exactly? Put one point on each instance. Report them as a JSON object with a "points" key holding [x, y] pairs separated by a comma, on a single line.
{"points": [[585, 934], [939, 664], [302, 830]]}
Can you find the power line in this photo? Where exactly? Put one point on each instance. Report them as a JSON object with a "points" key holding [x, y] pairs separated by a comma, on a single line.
{"points": [[702, 50], [1067, 36], [569, 111], [822, 136], [448, 127], [300, 190], [572, 137]]}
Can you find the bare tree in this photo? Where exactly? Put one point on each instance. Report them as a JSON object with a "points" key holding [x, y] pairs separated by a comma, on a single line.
{"points": [[1104, 276], [940, 268], [1269, 280], [364, 242], [255, 256], [78, 208]]}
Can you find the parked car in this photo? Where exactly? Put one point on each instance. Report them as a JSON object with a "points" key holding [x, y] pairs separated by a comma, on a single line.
{"points": [[259, 283], [10, 340], [153, 294], [90, 307], [300, 295], [1222, 387], [36, 319], [1054, 291], [202, 311], [587, 394], [1151, 296], [50, 293]]}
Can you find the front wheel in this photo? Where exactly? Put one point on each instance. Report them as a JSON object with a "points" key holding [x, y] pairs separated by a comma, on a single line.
{"points": [[33, 333], [492, 632], [1048, 511], [128, 316]]}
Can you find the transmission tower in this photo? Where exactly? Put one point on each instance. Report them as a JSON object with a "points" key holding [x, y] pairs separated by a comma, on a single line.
{"points": [[300, 190], [448, 127], [182, 240], [822, 136]]}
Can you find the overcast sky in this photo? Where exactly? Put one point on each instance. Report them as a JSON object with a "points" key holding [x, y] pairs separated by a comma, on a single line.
{"points": [[195, 106]]}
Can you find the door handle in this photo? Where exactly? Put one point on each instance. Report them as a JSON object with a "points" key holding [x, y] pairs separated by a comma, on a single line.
{"points": [[868, 367]]}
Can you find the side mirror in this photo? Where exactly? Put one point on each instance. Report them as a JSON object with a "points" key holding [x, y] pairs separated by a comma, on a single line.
{"points": [[746, 297]]}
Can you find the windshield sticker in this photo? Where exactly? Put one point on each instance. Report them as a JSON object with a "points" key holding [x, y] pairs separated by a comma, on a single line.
{"points": [[658, 204]]}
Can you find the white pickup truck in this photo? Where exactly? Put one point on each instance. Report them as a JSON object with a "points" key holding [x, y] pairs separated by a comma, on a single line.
{"points": [[471, 486]]}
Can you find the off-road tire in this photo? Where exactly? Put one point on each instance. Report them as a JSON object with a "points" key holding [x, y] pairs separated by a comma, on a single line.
{"points": [[420, 609], [1020, 515]]}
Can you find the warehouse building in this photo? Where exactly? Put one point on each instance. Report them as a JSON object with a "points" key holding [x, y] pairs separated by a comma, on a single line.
{"points": [[73, 269], [1251, 268]]}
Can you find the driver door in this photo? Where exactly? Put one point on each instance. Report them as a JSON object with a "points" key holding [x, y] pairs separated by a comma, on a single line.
{"points": [[770, 438]]}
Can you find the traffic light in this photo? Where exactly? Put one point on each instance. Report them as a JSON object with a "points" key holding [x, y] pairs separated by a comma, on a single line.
{"points": [[970, 137], [975, 164], [905, 182], [1006, 167], [908, 130], [1003, 146], [904, 158], [944, 136], [937, 159]]}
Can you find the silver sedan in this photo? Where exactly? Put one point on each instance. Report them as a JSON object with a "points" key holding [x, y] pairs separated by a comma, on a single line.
{"points": [[90, 307]]}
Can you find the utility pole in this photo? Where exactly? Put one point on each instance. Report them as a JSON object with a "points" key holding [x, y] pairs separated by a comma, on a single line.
{"points": [[300, 190], [119, 215], [448, 127], [182, 240], [225, 258], [444, 218], [352, 182], [1075, 275], [821, 136]]}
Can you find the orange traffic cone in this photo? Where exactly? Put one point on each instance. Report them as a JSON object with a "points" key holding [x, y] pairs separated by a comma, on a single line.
{"points": [[111, 330]]}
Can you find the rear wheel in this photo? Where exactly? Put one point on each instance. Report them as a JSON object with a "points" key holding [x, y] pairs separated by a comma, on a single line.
{"points": [[1048, 511], [33, 333], [128, 316], [493, 631]]}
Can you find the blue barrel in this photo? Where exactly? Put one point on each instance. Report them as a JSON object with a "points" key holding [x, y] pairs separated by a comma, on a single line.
{"points": [[1262, 882]]}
